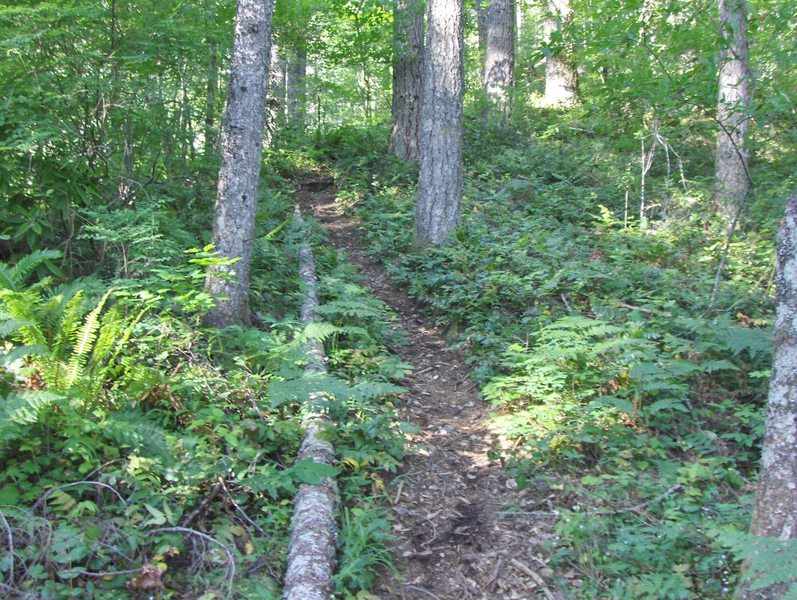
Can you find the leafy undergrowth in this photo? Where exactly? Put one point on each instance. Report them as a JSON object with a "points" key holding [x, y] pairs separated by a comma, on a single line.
{"points": [[143, 455], [624, 395]]}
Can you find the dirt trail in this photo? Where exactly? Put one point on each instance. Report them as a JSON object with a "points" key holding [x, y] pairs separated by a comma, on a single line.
{"points": [[451, 539]]}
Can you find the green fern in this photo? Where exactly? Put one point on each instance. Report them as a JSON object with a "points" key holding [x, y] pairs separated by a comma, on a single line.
{"points": [[83, 342], [12, 278], [350, 307], [319, 330], [21, 409], [769, 561], [136, 431]]}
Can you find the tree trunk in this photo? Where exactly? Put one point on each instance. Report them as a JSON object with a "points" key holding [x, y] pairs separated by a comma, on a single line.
{"points": [[732, 177], [775, 513], [241, 153], [561, 77], [311, 552], [499, 59], [407, 56], [481, 22], [210, 102], [276, 95], [437, 211], [297, 87]]}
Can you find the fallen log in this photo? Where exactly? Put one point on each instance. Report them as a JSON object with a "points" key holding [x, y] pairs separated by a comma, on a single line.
{"points": [[311, 553]]}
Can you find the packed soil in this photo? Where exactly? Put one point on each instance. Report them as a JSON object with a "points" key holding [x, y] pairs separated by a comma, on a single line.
{"points": [[461, 528]]}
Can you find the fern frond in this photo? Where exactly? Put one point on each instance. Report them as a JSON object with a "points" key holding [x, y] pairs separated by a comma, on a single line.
{"points": [[111, 326], [319, 330], [22, 306], [133, 430], [770, 561], [66, 321], [7, 281], [21, 409], [368, 390], [27, 264], [357, 308], [84, 340]]}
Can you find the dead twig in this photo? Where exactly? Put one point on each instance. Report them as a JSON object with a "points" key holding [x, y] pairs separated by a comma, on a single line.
{"points": [[189, 518], [422, 590], [239, 510], [398, 492], [43, 498], [230, 574], [537, 579]]}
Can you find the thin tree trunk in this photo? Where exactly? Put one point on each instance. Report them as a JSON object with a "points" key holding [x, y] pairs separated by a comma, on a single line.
{"points": [[499, 58], [481, 22], [407, 57], [276, 95], [297, 86], [241, 153], [775, 512], [437, 211], [210, 102], [732, 178], [561, 77], [481, 28]]}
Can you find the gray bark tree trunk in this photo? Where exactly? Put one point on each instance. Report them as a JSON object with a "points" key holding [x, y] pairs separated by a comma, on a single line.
{"points": [[499, 58], [732, 175], [297, 87], [561, 77], [311, 552], [408, 54], [775, 513], [276, 96], [241, 153], [211, 139], [437, 211], [481, 22], [481, 30]]}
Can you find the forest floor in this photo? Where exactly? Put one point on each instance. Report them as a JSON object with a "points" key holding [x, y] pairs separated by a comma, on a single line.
{"points": [[461, 528]]}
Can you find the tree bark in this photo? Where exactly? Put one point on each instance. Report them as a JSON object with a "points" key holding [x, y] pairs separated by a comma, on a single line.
{"points": [[561, 77], [407, 57], [241, 153], [210, 102], [276, 95], [775, 513], [297, 87], [499, 58], [732, 176], [437, 211], [311, 552], [481, 22]]}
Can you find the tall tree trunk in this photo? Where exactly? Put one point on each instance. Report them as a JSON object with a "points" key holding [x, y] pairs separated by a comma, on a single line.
{"points": [[499, 59], [732, 177], [276, 96], [481, 22], [297, 86], [561, 77], [775, 512], [407, 57], [481, 29], [241, 153], [210, 101], [437, 211]]}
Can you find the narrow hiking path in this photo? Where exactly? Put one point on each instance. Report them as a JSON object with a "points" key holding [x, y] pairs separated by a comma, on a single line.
{"points": [[453, 538]]}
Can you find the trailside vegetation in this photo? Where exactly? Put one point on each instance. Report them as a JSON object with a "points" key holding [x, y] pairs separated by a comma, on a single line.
{"points": [[615, 301]]}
